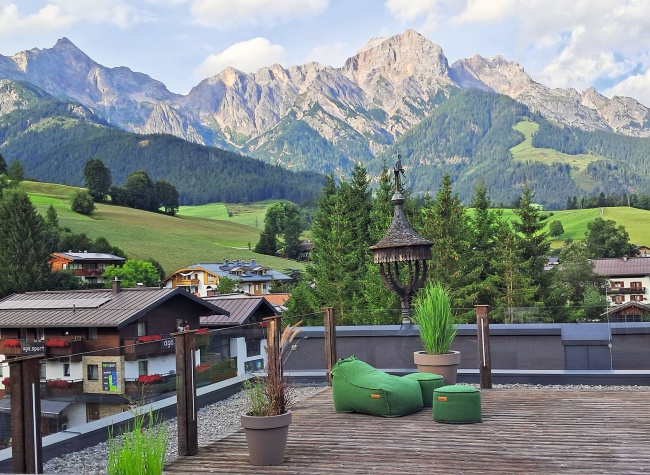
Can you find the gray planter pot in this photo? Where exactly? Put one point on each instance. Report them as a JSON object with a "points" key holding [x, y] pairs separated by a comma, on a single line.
{"points": [[266, 438], [445, 365]]}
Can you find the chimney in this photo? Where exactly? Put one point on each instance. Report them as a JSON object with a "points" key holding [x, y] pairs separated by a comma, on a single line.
{"points": [[116, 286], [624, 258], [252, 262]]}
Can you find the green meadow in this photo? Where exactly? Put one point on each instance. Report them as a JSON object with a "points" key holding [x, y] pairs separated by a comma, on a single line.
{"points": [[174, 241]]}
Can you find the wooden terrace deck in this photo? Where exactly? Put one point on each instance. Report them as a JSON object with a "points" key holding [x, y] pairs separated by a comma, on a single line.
{"points": [[524, 431]]}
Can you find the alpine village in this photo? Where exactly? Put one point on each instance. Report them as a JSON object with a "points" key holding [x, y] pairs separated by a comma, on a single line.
{"points": [[290, 240]]}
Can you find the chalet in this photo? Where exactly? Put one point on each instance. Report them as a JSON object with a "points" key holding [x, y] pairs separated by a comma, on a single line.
{"points": [[628, 278], [306, 248], [242, 310], [628, 312], [202, 279], [100, 346], [643, 251], [89, 266]]}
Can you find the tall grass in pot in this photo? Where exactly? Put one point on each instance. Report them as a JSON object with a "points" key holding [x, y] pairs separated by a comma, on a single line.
{"points": [[436, 323]]}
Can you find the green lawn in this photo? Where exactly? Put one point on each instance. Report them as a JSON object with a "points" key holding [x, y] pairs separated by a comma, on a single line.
{"points": [[175, 242]]}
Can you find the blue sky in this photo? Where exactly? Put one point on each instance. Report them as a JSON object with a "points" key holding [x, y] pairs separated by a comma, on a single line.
{"points": [[577, 43]]}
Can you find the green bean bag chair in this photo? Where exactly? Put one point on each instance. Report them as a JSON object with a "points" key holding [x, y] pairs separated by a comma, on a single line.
{"points": [[358, 387]]}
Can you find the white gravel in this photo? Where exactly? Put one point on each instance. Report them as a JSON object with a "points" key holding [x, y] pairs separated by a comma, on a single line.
{"points": [[222, 418]]}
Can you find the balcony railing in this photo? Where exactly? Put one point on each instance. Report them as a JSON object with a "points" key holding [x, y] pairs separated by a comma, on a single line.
{"points": [[71, 351], [135, 349], [187, 282], [88, 272], [626, 290], [139, 391], [58, 388], [14, 347]]}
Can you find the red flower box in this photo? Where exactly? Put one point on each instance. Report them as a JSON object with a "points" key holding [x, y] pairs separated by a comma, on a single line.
{"points": [[12, 342], [202, 368], [57, 343], [203, 330], [149, 338], [150, 379], [6, 381], [57, 383]]}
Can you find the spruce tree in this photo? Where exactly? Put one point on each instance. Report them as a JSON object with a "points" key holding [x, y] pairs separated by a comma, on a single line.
{"points": [[97, 179], [23, 250]]}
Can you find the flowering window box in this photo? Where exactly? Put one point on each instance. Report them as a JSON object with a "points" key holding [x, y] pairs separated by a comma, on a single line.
{"points": [[12, 342], [57, 343], [149, 338], [150, 379], [6, 382], [58, 383]]}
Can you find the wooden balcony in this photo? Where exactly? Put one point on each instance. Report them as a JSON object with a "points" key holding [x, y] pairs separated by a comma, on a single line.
{"points": [[626, 290], [24, 348], [187, 282], [138, 391], [135, 350], [72, 352]]}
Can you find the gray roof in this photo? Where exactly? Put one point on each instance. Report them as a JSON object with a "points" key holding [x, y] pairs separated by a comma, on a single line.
{"points": [[90, 256], [223, 269], [88, 308], [240, 310], [622, 267]]}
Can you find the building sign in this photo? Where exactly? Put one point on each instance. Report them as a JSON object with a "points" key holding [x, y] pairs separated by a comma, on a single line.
{"points": [[168, 344], [253, 365], [109, 376], [32, 347]]}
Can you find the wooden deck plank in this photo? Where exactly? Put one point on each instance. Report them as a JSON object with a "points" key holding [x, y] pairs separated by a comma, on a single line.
{"points": [[523, 431]]}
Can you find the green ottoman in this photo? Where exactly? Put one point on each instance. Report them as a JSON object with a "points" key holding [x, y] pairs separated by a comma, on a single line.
{"points": [[428, 382], [457, 404]]}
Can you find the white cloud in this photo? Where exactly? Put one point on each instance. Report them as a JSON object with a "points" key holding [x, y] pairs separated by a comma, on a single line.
{"points": [[227, 15], [58, 15], [637, 86], [247, 56]]}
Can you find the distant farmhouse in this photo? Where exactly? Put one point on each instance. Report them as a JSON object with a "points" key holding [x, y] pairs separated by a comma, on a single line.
{"points": [[202, 279], [628, 277], [89, 266]]}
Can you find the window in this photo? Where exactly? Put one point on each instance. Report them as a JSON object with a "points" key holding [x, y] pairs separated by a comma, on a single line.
{"points": [[93, 372], [253, 348], [66, 369], [92, 333], [143, 368], [617, 284], [142, 328], [636, 285], [42, 371], [92, 411], [618, 298], [40, 334], [636, 298]]}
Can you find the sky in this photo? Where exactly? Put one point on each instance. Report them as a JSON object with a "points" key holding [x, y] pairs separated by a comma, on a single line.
{"points": [[560, 43]]}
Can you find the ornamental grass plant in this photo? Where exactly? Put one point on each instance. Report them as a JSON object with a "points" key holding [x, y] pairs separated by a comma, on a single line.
{"points": [[271, 395], [435, 319], [141, 449]]}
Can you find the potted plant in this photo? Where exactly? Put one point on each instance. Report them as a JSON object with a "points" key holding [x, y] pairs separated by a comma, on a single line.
{"points": [[267, 418], [437, 328]]}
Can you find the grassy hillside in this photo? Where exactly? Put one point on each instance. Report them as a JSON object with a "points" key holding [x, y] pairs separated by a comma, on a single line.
{"points": [[173, 241], [251, 214]]}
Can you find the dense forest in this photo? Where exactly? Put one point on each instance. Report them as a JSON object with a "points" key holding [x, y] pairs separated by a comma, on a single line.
{"points": [[53, 143]]}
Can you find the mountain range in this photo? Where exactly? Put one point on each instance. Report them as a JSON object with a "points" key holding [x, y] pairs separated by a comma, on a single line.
{"points": [[325, 119]]}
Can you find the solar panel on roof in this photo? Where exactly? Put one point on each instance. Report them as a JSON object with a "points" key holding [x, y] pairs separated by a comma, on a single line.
{"points": [[53, 304]]}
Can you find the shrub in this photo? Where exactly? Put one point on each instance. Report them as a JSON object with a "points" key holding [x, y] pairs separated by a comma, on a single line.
{"points": [[83, 203]]}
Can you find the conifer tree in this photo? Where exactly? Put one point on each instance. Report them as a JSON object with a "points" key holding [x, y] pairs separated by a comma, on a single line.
{"points": [[23, 250]]}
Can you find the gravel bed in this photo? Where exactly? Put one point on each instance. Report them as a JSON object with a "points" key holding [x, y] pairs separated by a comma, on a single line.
{"points": [[214, 422], [222, 418]]}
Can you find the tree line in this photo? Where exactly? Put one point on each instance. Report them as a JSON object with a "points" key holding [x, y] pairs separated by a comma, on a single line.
{"points": [[27, 240], [478, 255]]}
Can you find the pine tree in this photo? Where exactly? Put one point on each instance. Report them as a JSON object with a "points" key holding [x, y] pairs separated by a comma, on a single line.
{"points": [[23, 250], [97, 179], [532, 243]]}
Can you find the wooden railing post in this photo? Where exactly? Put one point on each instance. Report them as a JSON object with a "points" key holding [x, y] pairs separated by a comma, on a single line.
{"points": [[274, 333], [330, 342], [25, 389], [483, 332], [188, 438]]}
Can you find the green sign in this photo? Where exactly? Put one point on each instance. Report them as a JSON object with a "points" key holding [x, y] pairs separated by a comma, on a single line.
{"points": [[109, 377]]}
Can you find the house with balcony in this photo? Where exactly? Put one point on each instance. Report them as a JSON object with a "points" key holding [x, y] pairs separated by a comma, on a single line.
{"points": [[103, 349], [628, 278], [202, 279], [89, 266]]}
